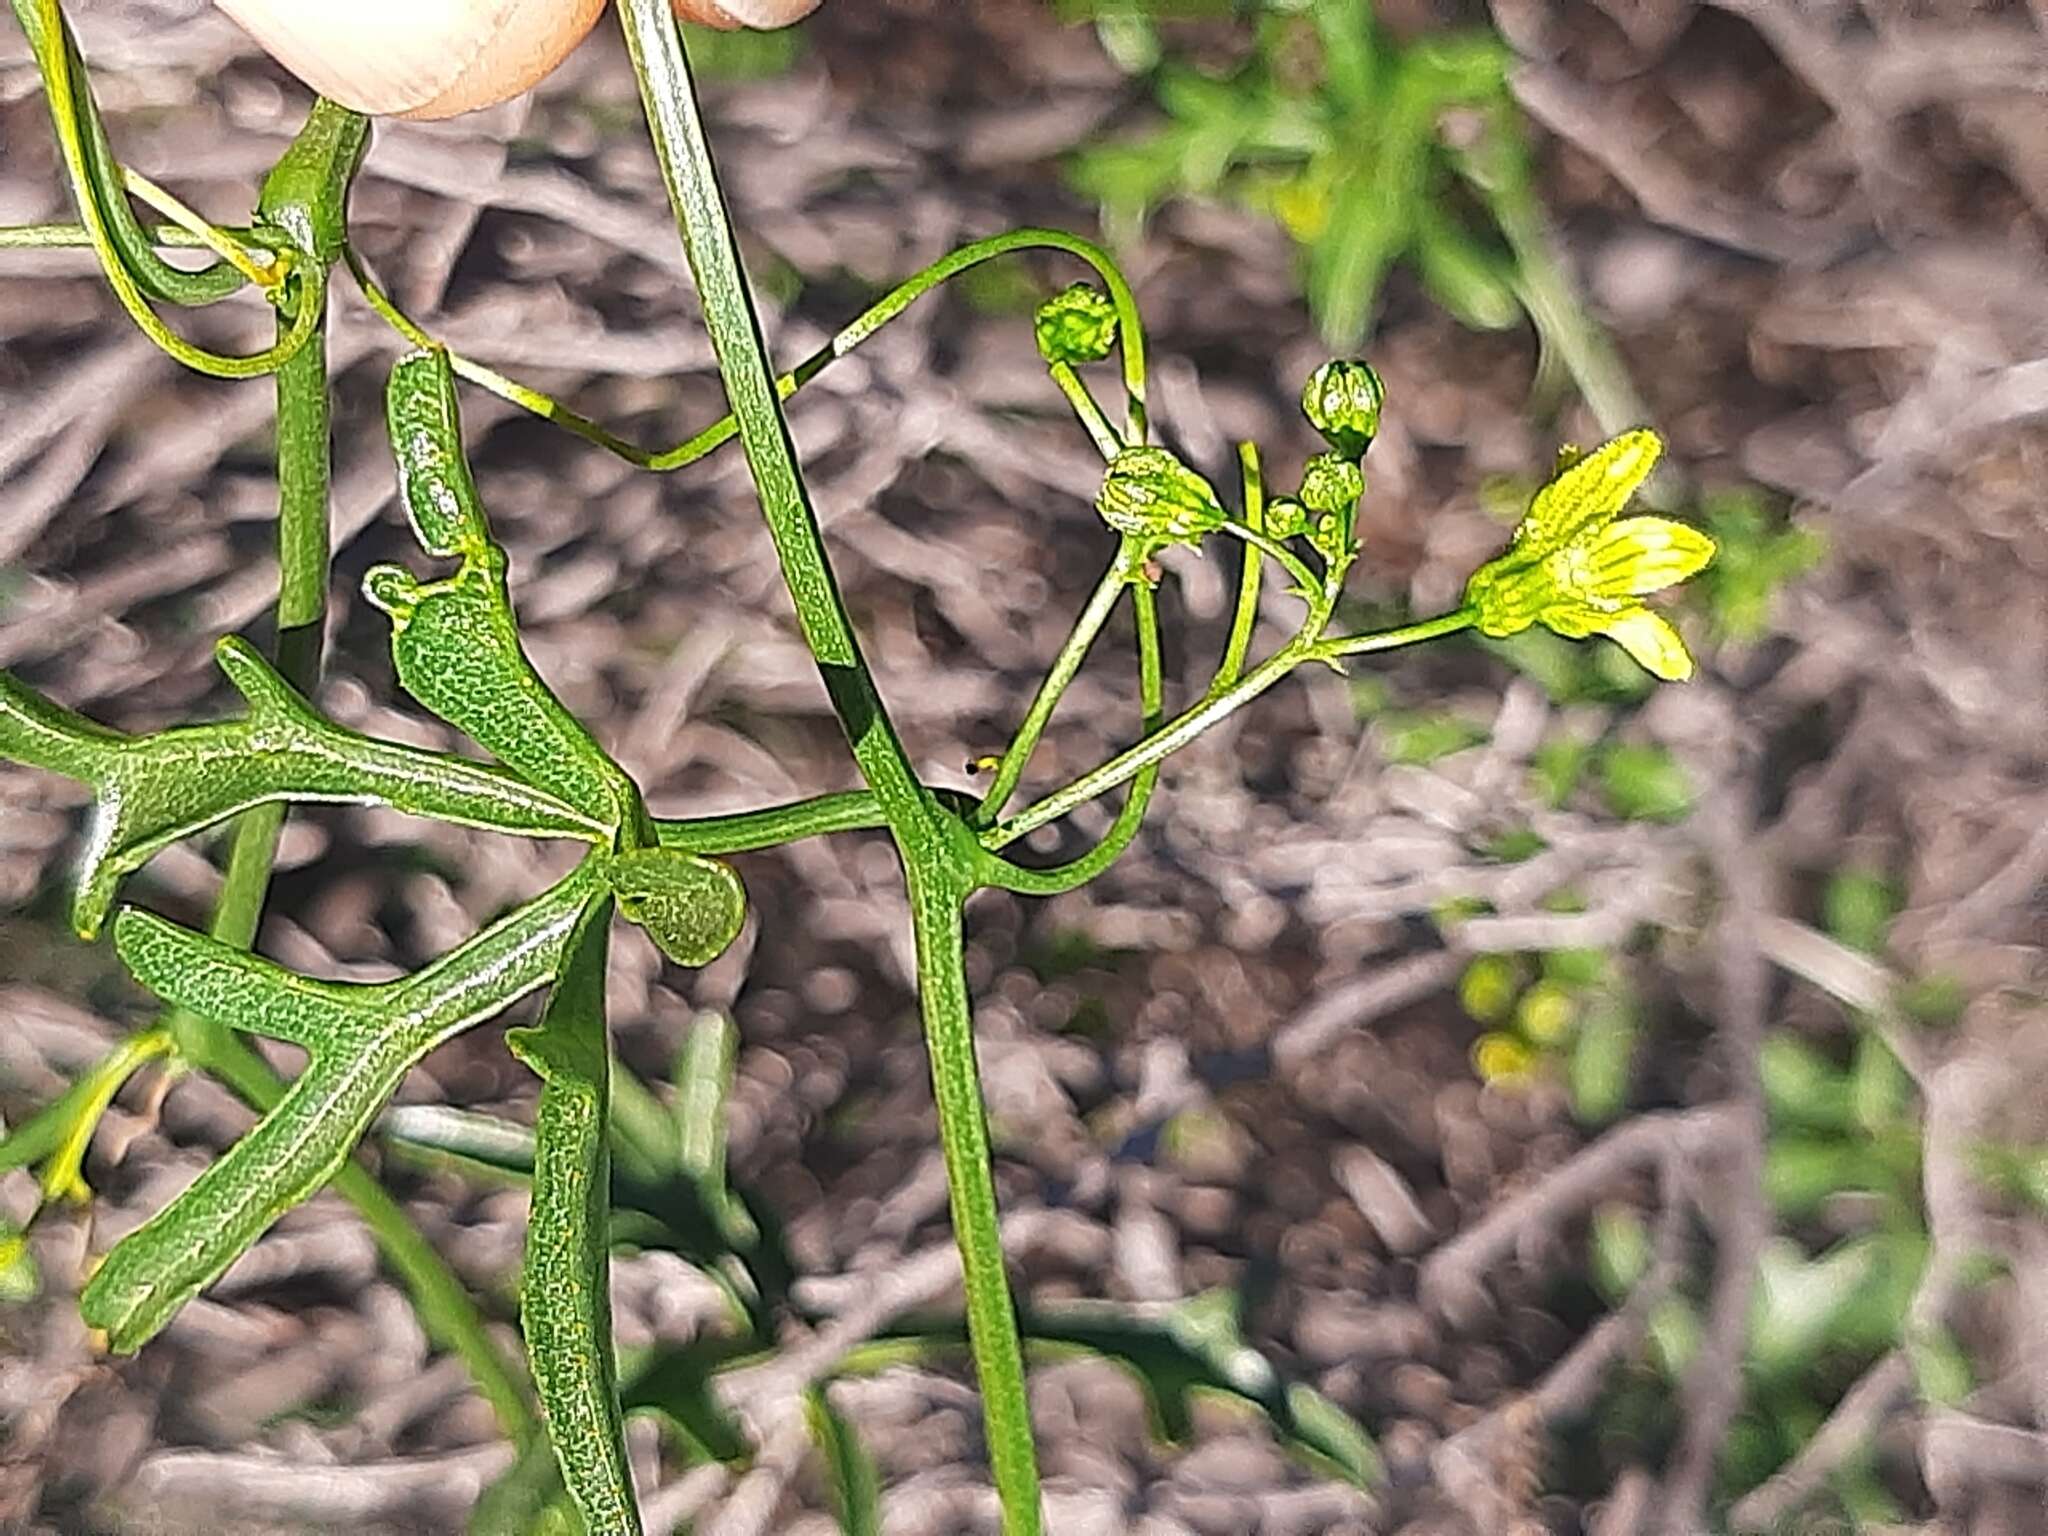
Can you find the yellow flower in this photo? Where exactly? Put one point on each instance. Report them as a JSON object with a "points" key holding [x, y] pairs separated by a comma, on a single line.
{"points": [[1576, 570]]}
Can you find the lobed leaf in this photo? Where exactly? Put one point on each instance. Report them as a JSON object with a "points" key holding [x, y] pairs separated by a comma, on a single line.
{"points": [[150, 791], [361, 1041], [456, 641], [564, 1294]]}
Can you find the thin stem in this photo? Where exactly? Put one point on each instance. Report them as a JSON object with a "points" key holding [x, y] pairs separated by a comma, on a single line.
{"points": [[938, 921], [1130, 816], [1064, 668], [252, 241], [62, 1177], [1390, 639], [669, 96], [79, 125], [1107, 443], [852, 810], [892, 304], [268, 276], [938, 853], [1310, 583], [1217, 707], [1246, 618]]}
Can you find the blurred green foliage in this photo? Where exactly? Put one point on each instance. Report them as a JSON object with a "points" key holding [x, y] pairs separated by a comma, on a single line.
{"points": [[1759, 554], [1332, 127]]}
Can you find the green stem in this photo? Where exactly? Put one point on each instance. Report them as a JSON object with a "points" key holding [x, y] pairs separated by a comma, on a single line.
{"points": [[851, 810], [1187, 726], [669, 96], [63, 1178], [1131, 816], [937, 918], [96, 175], [116, 238], [1246, 618], [70, 237], [1393, 639], [1131, 334], [1100, 432], [1064, 668], [1309, 583], [940, 860]]}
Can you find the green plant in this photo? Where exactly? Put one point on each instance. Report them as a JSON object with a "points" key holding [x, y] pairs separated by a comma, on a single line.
{"points": [[1569, 1013], [608, 1164], [1371, 152]]}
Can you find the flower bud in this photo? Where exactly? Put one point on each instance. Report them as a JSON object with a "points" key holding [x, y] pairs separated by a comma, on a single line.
{"points": [[1330, 488], [1331, 483], [1150, 495], [1076, 325], [1342, 400]]}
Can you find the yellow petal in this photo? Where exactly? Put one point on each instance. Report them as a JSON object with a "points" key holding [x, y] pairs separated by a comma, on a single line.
{"points": [[1652, 641], [1645, 554], [1590, 492]]}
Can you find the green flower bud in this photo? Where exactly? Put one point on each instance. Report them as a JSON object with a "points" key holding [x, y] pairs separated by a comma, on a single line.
{"points": [[1342, 400], [1076, 325], [1286, 518], [1331, 483], [1149, 494], [1330, 487]]}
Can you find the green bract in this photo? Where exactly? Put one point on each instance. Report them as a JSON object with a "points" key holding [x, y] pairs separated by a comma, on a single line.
{"points": [[1076, 325], [1150, 496], [1576, 570], [1342, 400]]}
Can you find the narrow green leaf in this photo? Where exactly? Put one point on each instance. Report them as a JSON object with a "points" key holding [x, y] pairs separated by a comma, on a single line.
{"points": [[456, 641], [20, 1279], [361, 1040], [1195, 1348], [150, 791], [565, 1293], [849, 1469]]}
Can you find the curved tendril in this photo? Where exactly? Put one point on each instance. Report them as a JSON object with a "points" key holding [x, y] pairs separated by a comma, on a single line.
{"points": [[1131, 340], [55, 55], [82, 127]]}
